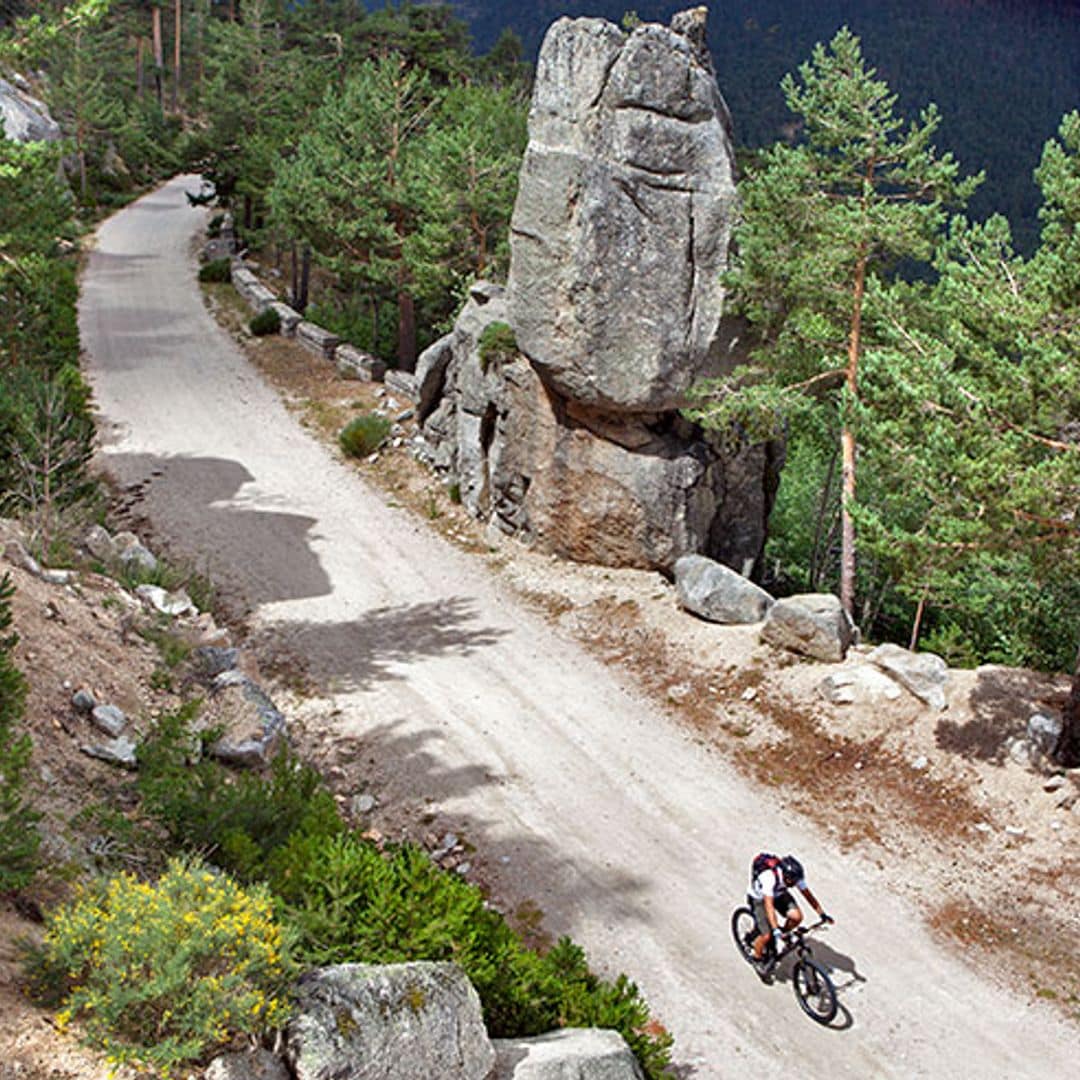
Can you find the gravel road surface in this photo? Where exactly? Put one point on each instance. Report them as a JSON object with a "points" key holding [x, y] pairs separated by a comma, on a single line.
{"points": [[630, 836]]}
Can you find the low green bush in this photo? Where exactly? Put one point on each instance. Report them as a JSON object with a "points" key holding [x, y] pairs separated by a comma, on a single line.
{"points": [[267, 321], [164, 973], [216, 270], [237, 819], [172, 646], [347, 901], [213, 227], [497, 345], [364, 435]]}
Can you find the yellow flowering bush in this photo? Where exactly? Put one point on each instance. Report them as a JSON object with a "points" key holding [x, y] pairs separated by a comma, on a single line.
{"points": [[162, 973]]}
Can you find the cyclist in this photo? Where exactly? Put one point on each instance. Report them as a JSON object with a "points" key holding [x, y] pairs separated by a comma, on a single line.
{"points": [[771, 879]]}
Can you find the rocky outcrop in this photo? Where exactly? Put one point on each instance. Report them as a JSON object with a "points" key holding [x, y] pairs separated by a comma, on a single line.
{"points": [[257, 1064], [569, 1054], [861, 684], [253, 727], [406, 1021], [553, 404], [23, 118], [617, 490]]}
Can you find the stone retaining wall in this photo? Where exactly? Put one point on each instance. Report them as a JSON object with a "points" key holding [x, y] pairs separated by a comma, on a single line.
{"points": [[354, 364], [350, 362], [317, 340]]}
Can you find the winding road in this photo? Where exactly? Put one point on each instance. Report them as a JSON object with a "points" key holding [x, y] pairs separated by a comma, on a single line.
{"points": [[630, 836]]}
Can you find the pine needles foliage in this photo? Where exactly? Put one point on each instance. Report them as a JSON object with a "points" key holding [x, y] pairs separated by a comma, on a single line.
{"points": [[19, 838]]}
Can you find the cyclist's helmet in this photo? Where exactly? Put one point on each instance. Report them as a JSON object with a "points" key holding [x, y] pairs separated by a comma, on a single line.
{"points": [[791, 869]]}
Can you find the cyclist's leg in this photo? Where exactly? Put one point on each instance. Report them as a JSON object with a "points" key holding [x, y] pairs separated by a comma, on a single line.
{"points": [[787, 907], [762, 939]]}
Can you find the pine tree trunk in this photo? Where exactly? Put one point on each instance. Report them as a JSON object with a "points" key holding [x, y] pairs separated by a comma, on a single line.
{"points": [[176, 56], [80, 118], [847, 524], [305, 279], [406, 331], [847, 445], [159, 55]]}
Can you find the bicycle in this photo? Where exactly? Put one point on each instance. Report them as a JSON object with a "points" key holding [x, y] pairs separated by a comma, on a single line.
{"points": [[813, 987]]}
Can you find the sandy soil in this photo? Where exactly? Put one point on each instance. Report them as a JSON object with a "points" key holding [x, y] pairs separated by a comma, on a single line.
{"points": [[609, 763]]}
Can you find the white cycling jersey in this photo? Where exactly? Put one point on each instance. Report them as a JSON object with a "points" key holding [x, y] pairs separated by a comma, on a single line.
{"points": [[771, 883]]}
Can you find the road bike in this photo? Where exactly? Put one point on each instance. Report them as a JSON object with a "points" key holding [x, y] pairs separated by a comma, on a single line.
{"points": [[813, 987]]}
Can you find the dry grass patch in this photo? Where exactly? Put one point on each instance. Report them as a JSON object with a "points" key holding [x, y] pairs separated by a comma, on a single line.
{"points": [[1024, 934]]}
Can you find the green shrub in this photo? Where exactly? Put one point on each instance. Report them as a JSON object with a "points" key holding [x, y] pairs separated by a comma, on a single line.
{"points": [[216, 270], [39, 329], [347, 901], [213, 227], [237, 819], [497, 345], [19, 838], [267, 321], [587, 1001], [165, 973], [364, 435]]}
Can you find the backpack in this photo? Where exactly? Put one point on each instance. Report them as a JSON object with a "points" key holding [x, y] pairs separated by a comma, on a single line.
{"points": [[762, 862]]}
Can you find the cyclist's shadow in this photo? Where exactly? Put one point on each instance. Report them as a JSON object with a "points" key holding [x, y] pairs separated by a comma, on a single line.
{"points": [[844, 975]]}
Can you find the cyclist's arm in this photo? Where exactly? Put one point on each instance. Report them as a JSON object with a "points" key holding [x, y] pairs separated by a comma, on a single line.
{"points": [[805, 890]]}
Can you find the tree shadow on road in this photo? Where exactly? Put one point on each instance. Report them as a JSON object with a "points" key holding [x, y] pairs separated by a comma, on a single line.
{"points": [[356, 654], [535, 884], [255, 556]]}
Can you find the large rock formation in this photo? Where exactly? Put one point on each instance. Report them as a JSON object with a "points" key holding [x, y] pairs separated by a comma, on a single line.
{"points": [[621, 227], [553, 404]]}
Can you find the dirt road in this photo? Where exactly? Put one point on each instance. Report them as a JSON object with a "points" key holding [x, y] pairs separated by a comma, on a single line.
{"points": [[628, 834]]}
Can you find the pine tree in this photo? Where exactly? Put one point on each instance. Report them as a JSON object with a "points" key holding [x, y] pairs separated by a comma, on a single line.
{"points": [[350, 190], [255, 98], [826, 220], [470, 161], [19, 838]]}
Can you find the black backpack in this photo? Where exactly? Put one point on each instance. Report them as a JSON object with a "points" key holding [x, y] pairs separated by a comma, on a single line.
{"points": [[763, 861]]}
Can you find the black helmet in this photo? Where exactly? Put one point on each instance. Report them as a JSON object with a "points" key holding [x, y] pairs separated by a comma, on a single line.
{"points": [[791, 869]]}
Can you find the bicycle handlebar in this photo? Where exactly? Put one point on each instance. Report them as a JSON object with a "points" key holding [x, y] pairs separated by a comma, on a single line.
{"points": [[815, 926], [802, 931]]}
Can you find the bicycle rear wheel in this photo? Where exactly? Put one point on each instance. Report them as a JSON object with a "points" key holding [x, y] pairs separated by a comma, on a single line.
{"points": [[815, 991], [744, 930]]}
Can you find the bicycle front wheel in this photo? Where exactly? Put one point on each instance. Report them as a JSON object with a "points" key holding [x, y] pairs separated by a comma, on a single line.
{"points": [[815, 991], [744, 930]]}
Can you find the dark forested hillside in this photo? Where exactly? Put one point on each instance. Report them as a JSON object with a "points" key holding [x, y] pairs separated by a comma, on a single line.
{"points": [[1003, 72]]}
